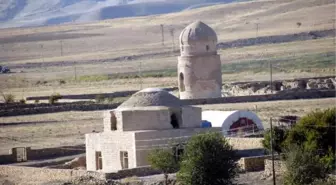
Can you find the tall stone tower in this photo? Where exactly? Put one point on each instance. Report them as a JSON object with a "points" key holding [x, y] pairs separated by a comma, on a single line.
{"points": [[199, 66]]}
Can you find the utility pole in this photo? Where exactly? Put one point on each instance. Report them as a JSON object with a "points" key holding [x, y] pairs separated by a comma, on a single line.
{"points": [[42, 53], [140, 74], [272, 152], [172, 30], [75, 71], [61, 41], [162, 34], [271, 78], [334, 30], [257, 30]]}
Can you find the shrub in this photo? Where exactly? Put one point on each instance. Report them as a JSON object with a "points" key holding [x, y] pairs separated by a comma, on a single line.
{"points": [[208, 159], [22, 101], [298, 24], [54, 98], [303, 166], [315, 132], [279, 136], [37, 101], [164, 161], [100, 98], [8, 98], [61, 82], [327, 181]]}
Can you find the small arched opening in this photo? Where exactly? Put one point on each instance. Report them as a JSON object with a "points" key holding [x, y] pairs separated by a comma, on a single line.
{"points": [[113, 121], [174, 121], [181, 80], [207, 47]]}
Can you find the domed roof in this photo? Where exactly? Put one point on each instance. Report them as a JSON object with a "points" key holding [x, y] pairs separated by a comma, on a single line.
{"points": [[198, 31], [152, 97]]}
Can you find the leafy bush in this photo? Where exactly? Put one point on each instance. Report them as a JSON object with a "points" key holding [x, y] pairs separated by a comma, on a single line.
{"points": [[100, 98], [315, 132], [54, 98], [303, 166], [164, 161], [327, 181], [37, 101], [207, 159], [279, 136], [22, 101], [8, 98]]}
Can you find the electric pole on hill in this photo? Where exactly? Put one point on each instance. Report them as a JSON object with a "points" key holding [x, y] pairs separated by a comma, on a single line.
{"points": [[172, 30], [162, 34], [61, 41], [334, 29], [272, 152]]}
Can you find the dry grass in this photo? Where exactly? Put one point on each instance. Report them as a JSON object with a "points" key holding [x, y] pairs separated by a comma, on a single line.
{"points": [[48, 130], [68, 128]]}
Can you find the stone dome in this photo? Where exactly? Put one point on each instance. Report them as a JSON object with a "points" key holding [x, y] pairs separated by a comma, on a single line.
{"points": [[197, 32], [152, 97]]}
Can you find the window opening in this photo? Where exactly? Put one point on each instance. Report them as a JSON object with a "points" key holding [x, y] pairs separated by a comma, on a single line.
{"points": [[99, 161], [174, 121], [182, 86], [124, 159], [207, 47], [113, 122]]}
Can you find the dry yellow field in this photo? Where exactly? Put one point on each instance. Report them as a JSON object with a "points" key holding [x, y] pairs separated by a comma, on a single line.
{"points": [[68, 128]]}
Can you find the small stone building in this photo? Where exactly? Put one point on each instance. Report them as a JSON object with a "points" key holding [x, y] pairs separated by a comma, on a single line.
{"points": [[199, 66], [151, 118]]}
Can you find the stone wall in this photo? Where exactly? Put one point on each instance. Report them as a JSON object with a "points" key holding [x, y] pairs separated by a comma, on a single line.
{"points": [[45, 153], [33, 175], [279, 167], [255, 163], [47, 108]]}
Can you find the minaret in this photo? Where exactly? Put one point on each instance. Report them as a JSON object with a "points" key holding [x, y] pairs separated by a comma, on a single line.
{"points": [[199, 66]]}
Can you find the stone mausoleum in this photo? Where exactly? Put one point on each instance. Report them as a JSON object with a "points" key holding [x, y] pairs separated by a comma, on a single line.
{"points": [[151, 118], [199, 66]]}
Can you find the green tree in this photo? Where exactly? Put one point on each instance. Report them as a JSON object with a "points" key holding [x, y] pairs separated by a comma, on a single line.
{"points": [[208, 159], [316, 132], [279, 136], [163, 160], [303, 167]]}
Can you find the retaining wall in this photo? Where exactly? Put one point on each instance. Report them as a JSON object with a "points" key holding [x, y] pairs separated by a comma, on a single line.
{"points": [[36, 174], [288, 95], [45, 153], [279, 167]]}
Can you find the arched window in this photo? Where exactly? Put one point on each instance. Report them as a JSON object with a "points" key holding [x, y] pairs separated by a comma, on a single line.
{"points": [[181, 79], [207, 47]]}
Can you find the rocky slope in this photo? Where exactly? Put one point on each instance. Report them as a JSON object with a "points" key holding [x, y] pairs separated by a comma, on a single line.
{"points": [[20, 13], [263, 87]]}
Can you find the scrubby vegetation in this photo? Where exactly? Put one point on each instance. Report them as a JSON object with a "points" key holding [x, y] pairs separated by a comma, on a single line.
{"points": [[279, 136], [54, 98], [308, 147], [8, 98], [208, 159], [164, 161]]}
